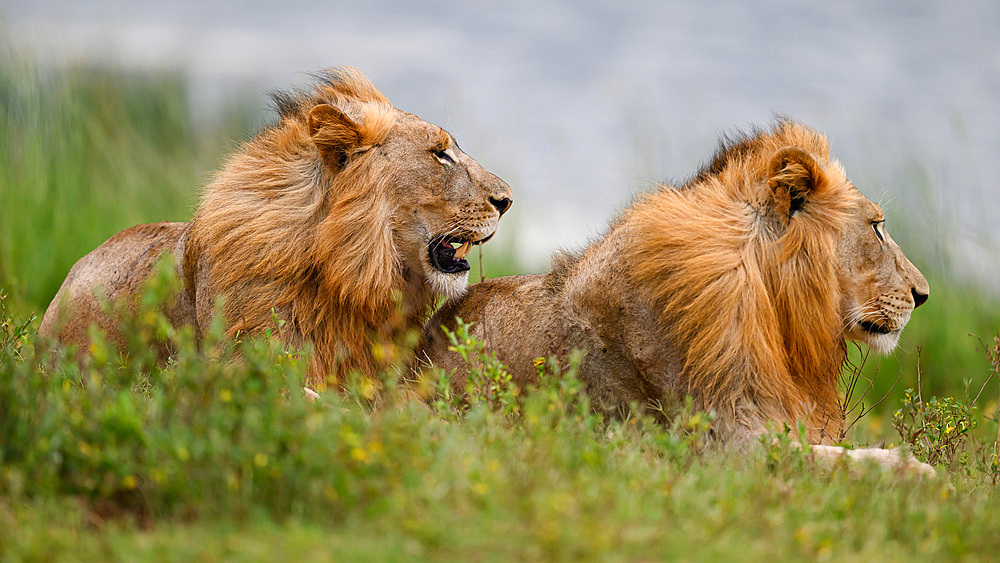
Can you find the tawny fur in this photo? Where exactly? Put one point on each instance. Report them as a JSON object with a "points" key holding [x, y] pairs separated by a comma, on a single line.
{"points": [[322, 221], [316, 248], [737, 289], [753, 314]]}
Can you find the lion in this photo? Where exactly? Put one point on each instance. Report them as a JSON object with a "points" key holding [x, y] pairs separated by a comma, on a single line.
{"points": [[346, 219], [738, 289]]}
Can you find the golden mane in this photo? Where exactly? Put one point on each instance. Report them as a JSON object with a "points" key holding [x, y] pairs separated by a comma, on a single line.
{"points": [[751, 298], [336, 227], [279, 233]]}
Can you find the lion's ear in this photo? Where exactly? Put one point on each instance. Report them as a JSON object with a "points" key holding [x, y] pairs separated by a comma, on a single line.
{"points": [[793, 176], [334, 134]]}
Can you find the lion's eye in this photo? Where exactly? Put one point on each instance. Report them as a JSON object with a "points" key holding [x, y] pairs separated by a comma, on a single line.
{"points": [[444, 157], [879, 227]]}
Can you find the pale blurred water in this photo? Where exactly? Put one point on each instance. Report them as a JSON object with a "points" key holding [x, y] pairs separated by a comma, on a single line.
{"points": [[580, 104]]}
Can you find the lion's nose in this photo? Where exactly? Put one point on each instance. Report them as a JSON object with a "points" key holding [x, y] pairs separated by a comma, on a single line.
{"points": [[919, 298], [501, 203]]}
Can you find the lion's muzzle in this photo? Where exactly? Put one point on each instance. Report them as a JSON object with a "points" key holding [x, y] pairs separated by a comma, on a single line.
{"points": [[448, 258]]}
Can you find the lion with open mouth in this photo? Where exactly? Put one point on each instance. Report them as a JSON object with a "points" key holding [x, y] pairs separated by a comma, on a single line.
{"points": [[738, 289], [345, 219]]}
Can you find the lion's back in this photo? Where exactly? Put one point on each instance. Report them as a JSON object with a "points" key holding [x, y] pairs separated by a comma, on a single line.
{"points": [[114, 270]]}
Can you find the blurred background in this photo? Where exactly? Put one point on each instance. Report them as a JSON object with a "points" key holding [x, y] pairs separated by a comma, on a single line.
{"points": [[114, 113]]}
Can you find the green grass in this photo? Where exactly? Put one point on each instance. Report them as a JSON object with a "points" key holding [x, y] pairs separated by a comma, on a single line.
{"points": [[219, 457], [85, 154]]}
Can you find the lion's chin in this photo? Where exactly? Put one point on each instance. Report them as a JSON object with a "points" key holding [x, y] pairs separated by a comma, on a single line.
{"points": [[882, 343], [450, 286], [880, 337], [881, 340]]}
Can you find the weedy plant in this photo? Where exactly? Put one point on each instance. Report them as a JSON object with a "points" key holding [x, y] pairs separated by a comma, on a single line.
{"points": [[489, 381], [940, 430], [13, 335], [851, 401], [129, 435], [992, 354]]}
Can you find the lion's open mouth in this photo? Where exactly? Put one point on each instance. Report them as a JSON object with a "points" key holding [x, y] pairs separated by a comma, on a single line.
{"points": [[874, 328], [448, 253]]}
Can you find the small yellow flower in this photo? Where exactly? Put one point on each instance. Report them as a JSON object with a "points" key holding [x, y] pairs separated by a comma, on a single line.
{"points": [[260, 460], [129, 482], [98, 353], [226, 395], [350, 438], [368, 389]]}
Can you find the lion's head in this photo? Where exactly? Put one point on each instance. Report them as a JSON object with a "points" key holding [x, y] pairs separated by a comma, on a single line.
{"points": [[761, 266], [439, 201], [879, 286], [336, 214]]}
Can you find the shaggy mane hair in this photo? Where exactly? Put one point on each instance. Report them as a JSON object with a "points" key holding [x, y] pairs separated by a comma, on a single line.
{"points": [[277, 230], [751, 297]]}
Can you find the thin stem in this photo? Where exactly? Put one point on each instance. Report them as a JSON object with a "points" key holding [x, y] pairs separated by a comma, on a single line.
{"points": [[995, 360], [482, 273], [850, 382], [994, 357], [920, 401], [877, 403]]}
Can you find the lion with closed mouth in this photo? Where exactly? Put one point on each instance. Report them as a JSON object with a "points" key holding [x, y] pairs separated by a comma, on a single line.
{"points": [[346, 219], [737, 289]]}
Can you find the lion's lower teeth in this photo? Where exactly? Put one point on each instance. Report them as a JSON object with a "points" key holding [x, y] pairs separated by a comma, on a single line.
{"points": [[463, 250]]}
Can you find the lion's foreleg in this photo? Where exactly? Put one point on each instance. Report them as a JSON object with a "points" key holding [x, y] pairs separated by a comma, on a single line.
{"points": [[893, 459]]}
